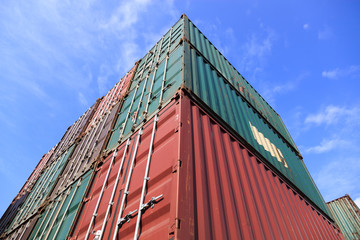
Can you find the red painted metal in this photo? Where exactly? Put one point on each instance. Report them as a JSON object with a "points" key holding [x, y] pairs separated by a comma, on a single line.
{"points": [[211, 187], [112, 97]]}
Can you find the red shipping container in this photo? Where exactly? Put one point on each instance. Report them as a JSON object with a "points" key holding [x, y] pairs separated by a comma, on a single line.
{"points": [[193, 180], [112, 97]]}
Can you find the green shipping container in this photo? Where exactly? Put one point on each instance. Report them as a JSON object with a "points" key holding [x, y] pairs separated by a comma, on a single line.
{"points": [[56, 221], [41, 189], [195, 66], [347, 216]]}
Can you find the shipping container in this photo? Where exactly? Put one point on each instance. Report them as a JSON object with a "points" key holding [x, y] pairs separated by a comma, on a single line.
{"points": [[41, 189], [73, 132], [175, 63], [21, 231], [88, 150], [11, 211], [183, 176], [35, 174], [111, 98], [347, 216], [57, 218]]}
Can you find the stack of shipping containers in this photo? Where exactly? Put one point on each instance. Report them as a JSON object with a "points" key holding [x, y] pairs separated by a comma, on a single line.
{"points": [[347, 215], [182, 147]]}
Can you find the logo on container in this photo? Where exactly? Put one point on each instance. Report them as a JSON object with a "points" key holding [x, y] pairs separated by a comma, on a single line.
{"points": [[269, 146]]}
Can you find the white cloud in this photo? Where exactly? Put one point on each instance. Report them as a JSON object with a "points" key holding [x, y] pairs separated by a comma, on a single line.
{"points": [[82, 99], [306, 26], [256, 50], [327, 145], [357, 201], [332, 114], [352, 71], [325, 33], [338, 176]]}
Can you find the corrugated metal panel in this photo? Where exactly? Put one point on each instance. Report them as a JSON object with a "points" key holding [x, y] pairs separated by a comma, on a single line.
{"points": [[22, 231], [235, 111], [35, 174], [219, 62], [87, 151], [117, 186], [11, 212], [209, 187], [347, 216], [111, 98], [198, 76], [156, 80], [73, 132], [225, 192], [41, 189], [55, 222]]}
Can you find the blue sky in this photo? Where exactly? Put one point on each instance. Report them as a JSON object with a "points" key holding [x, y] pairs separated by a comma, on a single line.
{"points": [[57, 57]]}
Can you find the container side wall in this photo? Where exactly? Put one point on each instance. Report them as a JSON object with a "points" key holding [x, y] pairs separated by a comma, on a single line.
{"points": [[87, 152], [156, 222], [233, 77], [347, 215], [11, 211], [156, 80], [55, 222], [42, 188], [232, 108], [111, 98], [226, 192]]}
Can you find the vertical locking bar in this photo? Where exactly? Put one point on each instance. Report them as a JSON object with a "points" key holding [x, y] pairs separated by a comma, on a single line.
{"points": [[146, 177], [111, 201], [67, 208], [132, 101], [57, 213], [166, 62], [100, 196], [127, 183]]}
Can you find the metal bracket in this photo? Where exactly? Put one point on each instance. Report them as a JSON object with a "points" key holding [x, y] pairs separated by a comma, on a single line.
{"points": [[126, 218], [151, 203]]}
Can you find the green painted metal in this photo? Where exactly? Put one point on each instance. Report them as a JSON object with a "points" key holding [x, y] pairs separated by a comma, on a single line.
{"points": [[347, 216], [56, 221], [42, 188], [226, 102], [220, 63], [143, 98], [196, 66]]}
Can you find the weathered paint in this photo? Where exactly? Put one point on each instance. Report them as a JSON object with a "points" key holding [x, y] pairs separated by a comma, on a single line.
{"points": [[11, 211], [113, 96], [228, 72], [87, 152], [157, 220], [347, 216], [232, 108], [41, 189], [73, 132], [209, 185], [55, 222], [22, 231], [156, 80], [188, 68]]}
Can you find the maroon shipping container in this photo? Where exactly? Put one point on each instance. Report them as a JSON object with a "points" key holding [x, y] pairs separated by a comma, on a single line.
{"points": [[192, 180], [112, 97]]}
